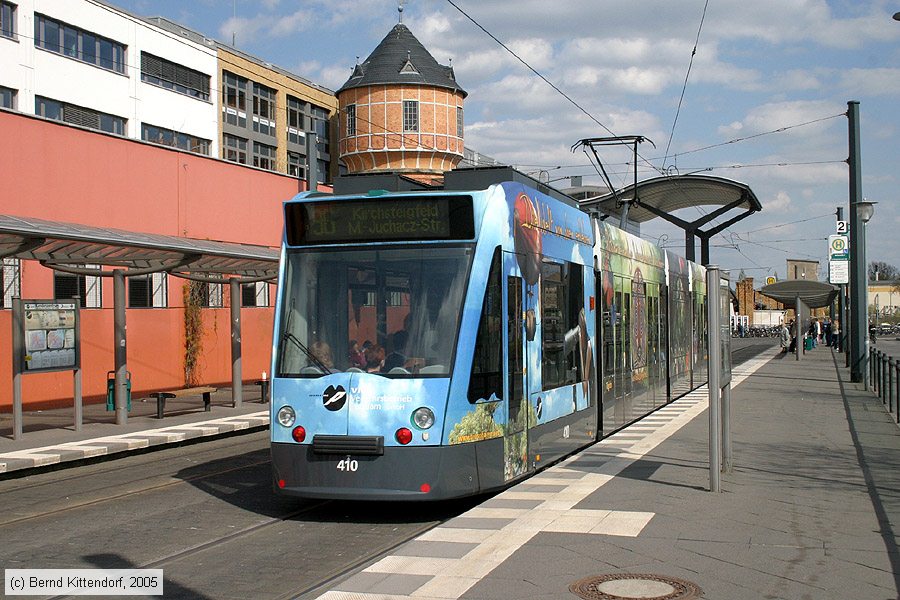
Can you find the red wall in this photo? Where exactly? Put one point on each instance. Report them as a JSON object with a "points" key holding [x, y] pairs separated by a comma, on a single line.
{"points": [[60, 173]]}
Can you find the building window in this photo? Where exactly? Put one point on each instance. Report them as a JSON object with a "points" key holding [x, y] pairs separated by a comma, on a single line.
{"points": [[320, 124], [263, 109], [79, 44], [148, 291], [296, 121], [296, 165], [210, 294], [85, 287], [167, 137], [410, 115], [7, 97], [78, 115], [459, 121], [351, 120], [10, 282], [264, 156], [173, 76], [7, 19], [234, 149], [255, 294], [234, 99]]}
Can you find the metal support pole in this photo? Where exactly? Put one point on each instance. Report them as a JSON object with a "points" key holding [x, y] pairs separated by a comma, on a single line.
{"points": [[727, 455], [121, 386], [690, 245], [858, 277], [18, 347], [237, 383], [845, 344], [797, 324], [712, 311], [79, 406]]}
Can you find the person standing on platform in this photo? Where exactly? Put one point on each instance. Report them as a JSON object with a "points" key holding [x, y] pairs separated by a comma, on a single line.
{"points": [[785, 338]]}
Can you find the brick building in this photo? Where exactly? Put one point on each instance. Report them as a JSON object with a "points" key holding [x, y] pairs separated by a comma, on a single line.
{"points": [[401, 111]]}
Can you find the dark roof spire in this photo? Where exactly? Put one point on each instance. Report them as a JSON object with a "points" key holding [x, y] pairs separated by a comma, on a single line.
{"points": [[400, 58]]}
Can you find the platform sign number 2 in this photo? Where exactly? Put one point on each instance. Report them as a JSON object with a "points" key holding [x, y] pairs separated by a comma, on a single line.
{"points": [[842, 228]]}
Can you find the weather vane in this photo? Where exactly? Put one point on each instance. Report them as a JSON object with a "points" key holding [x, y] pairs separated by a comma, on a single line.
{"points": [[400, 4]]}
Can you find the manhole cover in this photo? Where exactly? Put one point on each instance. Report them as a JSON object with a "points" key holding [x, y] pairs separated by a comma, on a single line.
{"points": [[624, 586]]}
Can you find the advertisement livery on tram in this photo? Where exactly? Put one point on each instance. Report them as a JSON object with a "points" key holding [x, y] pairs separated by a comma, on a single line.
{"points": [[431, 345]]}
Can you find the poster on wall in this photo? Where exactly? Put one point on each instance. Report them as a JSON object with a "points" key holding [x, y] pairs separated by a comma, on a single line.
{"points": [[51, 336]]}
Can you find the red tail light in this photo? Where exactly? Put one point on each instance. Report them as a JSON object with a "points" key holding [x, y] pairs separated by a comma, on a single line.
{"points": [[299, 434], [403, 435]]}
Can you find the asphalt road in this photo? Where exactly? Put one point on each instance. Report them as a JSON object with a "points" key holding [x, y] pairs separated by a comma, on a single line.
{"points": [[207, 516]]}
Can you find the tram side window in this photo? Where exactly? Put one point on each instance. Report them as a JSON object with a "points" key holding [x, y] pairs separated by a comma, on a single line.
{"points": [[562, 298], [486, 378]]}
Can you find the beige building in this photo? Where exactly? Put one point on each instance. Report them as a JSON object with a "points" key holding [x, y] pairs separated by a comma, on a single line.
{"points": [[802, 269], [267, 113]]}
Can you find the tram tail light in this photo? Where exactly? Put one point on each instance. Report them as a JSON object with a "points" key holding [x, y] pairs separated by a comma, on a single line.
{"points": [[403, 435], [298, 433], [424, 488]]}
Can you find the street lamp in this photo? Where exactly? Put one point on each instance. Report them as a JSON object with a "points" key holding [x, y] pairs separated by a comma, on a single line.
{"points": [[864, 208]]}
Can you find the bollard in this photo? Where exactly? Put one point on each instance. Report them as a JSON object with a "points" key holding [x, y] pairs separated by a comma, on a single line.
{"points": [[873, 375], [896, 396], [884, 387], [890, 384]]}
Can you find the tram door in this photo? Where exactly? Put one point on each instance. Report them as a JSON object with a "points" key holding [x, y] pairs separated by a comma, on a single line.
{"points": [[516, 441]]}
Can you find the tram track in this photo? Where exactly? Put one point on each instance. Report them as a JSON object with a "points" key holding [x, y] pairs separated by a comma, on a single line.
{"points": [[371, 532], [112, 471]]}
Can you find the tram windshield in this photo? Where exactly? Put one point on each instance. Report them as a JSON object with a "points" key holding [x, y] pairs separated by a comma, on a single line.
{"points": [[394, 312]]}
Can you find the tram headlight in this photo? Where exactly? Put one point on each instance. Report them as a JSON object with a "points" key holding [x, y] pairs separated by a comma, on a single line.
{"points": [[286, 416], [423, 417]]}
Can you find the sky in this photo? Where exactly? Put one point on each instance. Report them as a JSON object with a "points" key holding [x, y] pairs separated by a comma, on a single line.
{"points": [[751, 91]]}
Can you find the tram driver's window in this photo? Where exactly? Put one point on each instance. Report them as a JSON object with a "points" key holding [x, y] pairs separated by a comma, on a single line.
{"points": [[486, 379]]}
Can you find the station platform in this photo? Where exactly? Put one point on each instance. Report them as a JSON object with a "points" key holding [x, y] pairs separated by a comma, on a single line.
{"points": [[810, 510], [49, 437]]}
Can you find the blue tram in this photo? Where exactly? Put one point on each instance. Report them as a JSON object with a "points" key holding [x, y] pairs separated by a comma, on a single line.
{"points": [[431, 345]]}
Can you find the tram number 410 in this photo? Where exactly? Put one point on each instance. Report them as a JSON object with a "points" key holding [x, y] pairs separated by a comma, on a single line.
{"points": [[348, 464]]}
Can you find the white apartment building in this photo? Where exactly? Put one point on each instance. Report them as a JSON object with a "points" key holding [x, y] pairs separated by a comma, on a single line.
{"points": [[88, 63]]}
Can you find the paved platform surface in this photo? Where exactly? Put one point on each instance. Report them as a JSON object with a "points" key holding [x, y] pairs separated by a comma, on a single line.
{"points": [[811, 509], [50, 439]]}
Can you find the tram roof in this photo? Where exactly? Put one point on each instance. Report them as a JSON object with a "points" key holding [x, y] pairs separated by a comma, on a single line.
{"points": [[668, 194], [68, 245], [814, 294]]}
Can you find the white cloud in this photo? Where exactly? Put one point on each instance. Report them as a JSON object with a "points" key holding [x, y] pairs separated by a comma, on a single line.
{"points": [[871, 82], [780, 203], [293, 23]]}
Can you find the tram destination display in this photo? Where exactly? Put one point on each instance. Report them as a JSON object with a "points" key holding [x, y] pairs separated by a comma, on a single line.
{"points": [[50, 336], [376, 219]]}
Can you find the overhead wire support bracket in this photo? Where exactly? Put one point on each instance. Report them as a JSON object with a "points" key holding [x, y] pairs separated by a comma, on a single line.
{"points": [[618, 140]]}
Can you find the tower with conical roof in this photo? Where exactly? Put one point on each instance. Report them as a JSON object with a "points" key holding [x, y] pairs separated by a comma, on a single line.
{"points": [[401, 111]]}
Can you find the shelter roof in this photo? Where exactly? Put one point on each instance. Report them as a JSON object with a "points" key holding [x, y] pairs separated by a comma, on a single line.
{"points": [[670, 193], [815, 294], [66, 245], [401, 59]]}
